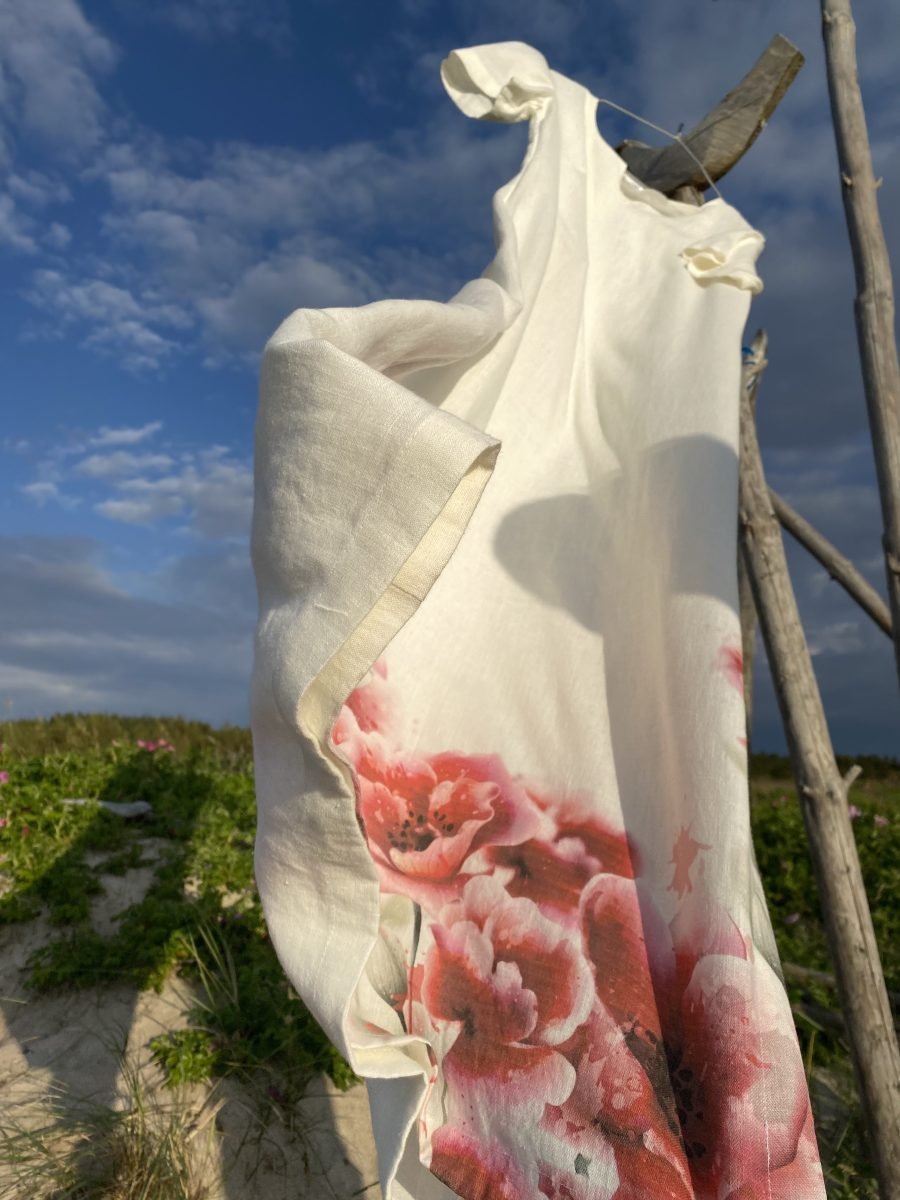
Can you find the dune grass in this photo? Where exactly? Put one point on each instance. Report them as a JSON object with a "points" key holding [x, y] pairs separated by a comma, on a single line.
{"points": [[201, 915], [61, 1147]]}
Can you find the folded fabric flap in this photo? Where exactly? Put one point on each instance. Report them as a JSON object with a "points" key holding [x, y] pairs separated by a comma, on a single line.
{"points": [[728, 257], [503, 81], [392, 336], [363, 491]]}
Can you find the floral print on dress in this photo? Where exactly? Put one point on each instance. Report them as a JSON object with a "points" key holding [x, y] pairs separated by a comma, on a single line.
{"points": [[584, 1047]]}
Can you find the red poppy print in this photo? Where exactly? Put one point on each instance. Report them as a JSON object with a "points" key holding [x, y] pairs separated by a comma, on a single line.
{"points": [[514, 983], [581, 1046], [711, 1031], [424, 817], [474, 1169]]}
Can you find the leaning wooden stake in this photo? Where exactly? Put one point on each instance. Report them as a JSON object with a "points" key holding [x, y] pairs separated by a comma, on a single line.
{"points": [[874, 286], [823, 797], [838, 566]]}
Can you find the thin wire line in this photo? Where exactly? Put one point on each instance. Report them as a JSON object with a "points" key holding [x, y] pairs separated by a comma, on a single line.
{"points": [[676, 137]]}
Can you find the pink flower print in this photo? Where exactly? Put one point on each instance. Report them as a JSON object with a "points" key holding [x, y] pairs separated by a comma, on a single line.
{"points": [[684, 852], [575, 817], [613, 1119], [738, 1050], [370, 702], [462, 1162], [731, 663], [422, 818], [365, 730], [554, 869], [615, 933], [515, 984], [712, 1030], [552, 874]]}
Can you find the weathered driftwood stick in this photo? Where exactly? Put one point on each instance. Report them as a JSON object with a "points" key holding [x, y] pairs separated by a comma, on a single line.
{"points": [[798, 974], [828, 1018], [749, 620], [724, 135], [840, 568], [874, 286], [823, 799]]}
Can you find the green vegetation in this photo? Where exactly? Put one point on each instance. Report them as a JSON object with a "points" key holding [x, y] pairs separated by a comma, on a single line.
{"points": [[791, 891], [201, 916]]}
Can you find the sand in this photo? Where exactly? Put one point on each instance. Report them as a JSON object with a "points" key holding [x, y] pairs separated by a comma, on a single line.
{"points": [[70, 1046]]}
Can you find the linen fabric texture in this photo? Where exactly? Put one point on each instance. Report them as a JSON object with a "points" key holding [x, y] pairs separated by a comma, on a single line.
{"points": [[503, 841]]}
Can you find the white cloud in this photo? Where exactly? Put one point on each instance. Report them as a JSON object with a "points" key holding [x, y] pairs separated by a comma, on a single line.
{"points": [[238, 235], [16, 229], [36, 188], [14, 445], [57, 236], [210, 489], [72, 638], [43, 491], [121, 462], [250, 312], [140, 512], [121, 320], [125, 436], [841, 637], [50, 58], [218, 494]]}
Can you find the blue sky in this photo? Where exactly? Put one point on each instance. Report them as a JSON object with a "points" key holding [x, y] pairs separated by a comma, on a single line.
{"points": [[176, 177]]}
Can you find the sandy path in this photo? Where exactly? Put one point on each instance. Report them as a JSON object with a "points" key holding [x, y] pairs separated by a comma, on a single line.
{"points": [[70, 1042]]}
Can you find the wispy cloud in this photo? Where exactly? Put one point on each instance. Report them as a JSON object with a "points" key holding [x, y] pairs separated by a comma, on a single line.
{"points": [[42, 492], [50, 58], [118, 322], [267, 20], [72, 637], [121, 462], [215, 495], [124, 436]]}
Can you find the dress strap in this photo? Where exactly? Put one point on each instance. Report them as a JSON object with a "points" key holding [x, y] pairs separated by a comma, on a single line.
{"points": [[502, 81]]}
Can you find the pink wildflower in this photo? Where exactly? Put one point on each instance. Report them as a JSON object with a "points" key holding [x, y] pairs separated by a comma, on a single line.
{"points": [[3, 822], [4, 776], [854, 812], [881, 821], [792, 918]]}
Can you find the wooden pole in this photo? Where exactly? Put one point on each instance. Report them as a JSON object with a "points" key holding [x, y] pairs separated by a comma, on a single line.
{"points": [[748, 642], [823, 799], [749, 620], [874, 287], [840, 568]]}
